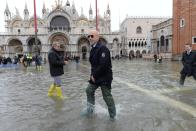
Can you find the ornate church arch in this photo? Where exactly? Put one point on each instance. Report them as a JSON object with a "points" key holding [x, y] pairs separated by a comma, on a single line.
{"points": [[59, 19], [62, 38], [16, 21], [32, 47], [60, 23], [58, 12], [40, 22], [15, 46]]}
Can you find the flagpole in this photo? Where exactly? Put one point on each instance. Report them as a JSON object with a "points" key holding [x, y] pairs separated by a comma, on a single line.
{"points": [[96, 15], [35, 26]]}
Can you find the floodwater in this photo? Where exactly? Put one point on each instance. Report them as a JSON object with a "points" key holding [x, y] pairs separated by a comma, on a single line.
{"points": [[147, 97]]}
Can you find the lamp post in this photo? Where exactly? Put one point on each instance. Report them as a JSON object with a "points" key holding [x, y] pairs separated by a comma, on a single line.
{"points": [[96, 15], [35, 26]]}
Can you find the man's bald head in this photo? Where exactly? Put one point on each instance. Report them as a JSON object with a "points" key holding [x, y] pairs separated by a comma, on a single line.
{"points": [[93, 36], [94, 32]]}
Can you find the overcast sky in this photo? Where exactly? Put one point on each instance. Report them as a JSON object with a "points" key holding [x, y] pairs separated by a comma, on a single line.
{"points": [[119, 8]]}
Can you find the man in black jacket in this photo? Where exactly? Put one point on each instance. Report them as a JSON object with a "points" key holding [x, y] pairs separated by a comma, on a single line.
{"points": [[101, 75], [189, 64], [56, 63]]}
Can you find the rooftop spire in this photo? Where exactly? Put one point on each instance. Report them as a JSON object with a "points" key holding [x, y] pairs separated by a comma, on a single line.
{"points": [[82, 13], [73, 4], [44, 8], [17, 12], [108, 9], [73, 8], [90, 10], [7, 8], [26, 5], [7, 13]]}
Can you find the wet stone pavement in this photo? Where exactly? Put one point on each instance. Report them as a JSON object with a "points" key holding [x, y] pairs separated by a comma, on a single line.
{"points": [[147, 97]]}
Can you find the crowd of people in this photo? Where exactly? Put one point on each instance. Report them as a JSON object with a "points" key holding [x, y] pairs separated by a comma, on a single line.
{"points": [[25, 60], [7, 60]]}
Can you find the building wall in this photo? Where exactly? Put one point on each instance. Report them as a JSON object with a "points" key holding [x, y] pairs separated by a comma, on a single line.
{"points": [[131, 39], [183, 10], [159, 45]]}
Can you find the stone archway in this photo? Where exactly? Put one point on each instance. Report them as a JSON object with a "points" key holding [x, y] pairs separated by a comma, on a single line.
{"points": [[131, 54], [83, 47], [15, 46], [138, 54], [162, 40], [60, 23], [115, 40], [103, 41], [84, 52], [32, 47], [144, 52], [59, 37], [121, 52], [63, 40], [115, 47]]}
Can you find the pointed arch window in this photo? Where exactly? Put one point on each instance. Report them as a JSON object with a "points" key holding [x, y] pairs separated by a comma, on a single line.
{"points": [[132, 44], [142, 44], [139, 44], [129, 44], [182, 22], [139, 30], [135, 44]]}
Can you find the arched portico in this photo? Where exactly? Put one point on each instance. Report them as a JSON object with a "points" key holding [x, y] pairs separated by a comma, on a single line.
{"points": [[32, 47], [15, 46], [144, 52], [162, 40], [62, 39], [131, 54], [83, 47], [138, 54], [60, 23], [103, 40]]}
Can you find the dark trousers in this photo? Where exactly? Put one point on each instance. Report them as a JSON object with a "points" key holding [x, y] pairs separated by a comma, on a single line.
{"points": [[107, 96], [183, 77]]}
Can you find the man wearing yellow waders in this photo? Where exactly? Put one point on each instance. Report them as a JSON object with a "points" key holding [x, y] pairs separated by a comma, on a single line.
{"points": [[56, 63]]}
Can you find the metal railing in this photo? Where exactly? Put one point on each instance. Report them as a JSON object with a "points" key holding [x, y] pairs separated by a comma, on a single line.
{"points": [[59, 28]]}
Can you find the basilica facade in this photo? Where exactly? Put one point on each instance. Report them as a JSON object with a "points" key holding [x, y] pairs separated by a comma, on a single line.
{"points": [[63, 23]]}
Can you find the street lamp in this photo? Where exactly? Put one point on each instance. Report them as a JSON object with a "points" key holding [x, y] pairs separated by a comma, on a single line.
{"points": [[96, 15], [35, 26]]}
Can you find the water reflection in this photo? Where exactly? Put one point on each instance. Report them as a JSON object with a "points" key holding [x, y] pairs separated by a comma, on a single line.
{"points": [[24, 104]]}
